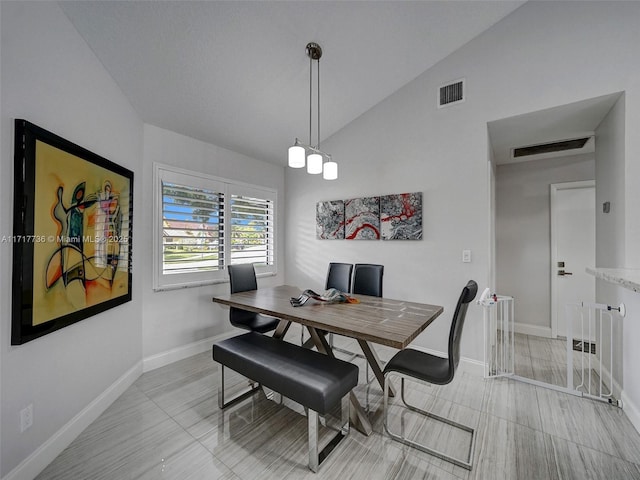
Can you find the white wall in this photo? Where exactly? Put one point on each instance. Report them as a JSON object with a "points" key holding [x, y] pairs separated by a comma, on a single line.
{"points": [[631, 327], [610, 235], [394, 148], [610, 187], [523, 233], [543, 55], [51, 78], [178, 323]]}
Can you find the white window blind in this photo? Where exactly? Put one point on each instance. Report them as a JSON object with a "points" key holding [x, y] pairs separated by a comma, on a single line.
{"points": [[252, 230], [192, 229]]}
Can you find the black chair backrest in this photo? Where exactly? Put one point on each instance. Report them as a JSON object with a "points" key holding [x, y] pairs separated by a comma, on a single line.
{"points": [[242, 277], [339, 277], [468, 294], [367, 279]]}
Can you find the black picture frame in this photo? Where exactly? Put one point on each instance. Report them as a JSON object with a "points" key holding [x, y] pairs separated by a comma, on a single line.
{"points": [[72, 233]]}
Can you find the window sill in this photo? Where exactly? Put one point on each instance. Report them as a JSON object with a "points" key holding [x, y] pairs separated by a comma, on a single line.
{"points": [[206, 283]]}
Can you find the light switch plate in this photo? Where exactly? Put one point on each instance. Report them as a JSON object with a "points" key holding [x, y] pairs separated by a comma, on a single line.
{"points": [[466, 256]]}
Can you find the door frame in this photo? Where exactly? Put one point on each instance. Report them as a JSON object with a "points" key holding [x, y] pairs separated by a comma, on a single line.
{"points": [[554, 188]]}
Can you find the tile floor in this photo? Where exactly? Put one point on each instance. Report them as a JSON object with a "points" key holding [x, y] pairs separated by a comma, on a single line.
{"points": [[168, 426], [545, 360]]}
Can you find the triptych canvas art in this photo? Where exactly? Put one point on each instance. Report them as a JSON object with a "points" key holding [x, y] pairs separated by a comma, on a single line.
{"points": [[388, 217]]}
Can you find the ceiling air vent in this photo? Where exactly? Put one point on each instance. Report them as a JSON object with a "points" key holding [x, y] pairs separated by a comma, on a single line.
{"points": [[553, 147], [451, 94]]}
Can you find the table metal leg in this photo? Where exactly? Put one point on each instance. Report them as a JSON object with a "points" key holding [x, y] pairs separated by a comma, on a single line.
{"points": [[281, 329], [320, 342], [359, 417], [374, 361], [309, 343]]}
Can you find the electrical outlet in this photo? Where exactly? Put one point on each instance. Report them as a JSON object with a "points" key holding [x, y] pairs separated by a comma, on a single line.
{"points": [[26, 417], [466, 256]]}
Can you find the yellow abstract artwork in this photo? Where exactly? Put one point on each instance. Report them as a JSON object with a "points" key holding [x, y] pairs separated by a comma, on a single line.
{"points": [[83, 259], [72, 233]]}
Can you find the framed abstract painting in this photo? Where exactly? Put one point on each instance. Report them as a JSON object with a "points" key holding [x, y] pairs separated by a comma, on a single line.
{"points": [[71, 237]]}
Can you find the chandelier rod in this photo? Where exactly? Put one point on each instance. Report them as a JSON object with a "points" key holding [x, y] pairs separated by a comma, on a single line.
{"points": [[318, 87], [310, 94]]}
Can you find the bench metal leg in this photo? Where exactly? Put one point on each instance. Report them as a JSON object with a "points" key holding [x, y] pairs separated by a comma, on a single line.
{"points": [[466, 463], [315, 457], [274, 396], [237, 398], [359, 417]]}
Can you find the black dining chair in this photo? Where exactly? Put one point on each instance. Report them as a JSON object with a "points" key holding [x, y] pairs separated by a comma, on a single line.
{"points": [[339, 276], [243, 279], [367, 280], [430, 369]]}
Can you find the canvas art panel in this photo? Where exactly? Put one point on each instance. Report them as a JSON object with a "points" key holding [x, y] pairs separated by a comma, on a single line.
{"points": [[362, 217], [330, 220], [401, 216]]}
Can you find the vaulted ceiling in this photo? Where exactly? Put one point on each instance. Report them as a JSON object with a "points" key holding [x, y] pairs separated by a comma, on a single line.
{"points": [[235, 73]]}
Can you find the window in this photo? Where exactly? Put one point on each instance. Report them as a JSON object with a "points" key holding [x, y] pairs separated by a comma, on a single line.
{"points": [[203, 223]]}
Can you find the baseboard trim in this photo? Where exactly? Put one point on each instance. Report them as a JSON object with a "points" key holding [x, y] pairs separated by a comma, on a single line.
{"points": [[472, 367], [35, 463], [631, 410], [536, 330], [184, 351], [468, 365]]}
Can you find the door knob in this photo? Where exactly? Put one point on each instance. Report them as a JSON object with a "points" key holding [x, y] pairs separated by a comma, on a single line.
{"points": [[562, 273]]}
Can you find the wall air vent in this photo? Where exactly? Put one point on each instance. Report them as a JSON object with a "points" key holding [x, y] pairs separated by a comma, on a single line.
{"points": [[553, 147], [451, 93]]}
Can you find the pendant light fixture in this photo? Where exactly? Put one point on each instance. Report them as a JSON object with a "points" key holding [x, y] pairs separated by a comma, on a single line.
{"points": [[310, 155]]}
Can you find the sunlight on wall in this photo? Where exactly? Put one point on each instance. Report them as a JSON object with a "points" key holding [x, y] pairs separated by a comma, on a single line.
{"points": [[307, 262]]}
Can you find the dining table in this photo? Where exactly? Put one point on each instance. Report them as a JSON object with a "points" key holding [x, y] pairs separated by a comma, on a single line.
{"points": [[372, 320]]}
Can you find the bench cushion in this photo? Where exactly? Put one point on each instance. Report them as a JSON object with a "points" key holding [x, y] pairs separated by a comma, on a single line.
{"points": [[310, 378]]}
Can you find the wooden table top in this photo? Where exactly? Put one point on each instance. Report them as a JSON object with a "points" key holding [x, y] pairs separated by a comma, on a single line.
{"points": [[395, 323]]}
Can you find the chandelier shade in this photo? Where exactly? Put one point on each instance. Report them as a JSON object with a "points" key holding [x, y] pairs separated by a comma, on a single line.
{"points": [[311, 155], [314, 163], [297, 155], [330, 170]]}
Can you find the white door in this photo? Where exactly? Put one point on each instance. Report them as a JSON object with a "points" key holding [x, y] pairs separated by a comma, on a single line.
{"points": [[573, 247]]}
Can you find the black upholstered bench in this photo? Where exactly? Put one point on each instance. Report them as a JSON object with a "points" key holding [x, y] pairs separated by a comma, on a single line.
{"points": [[314, 380]]}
